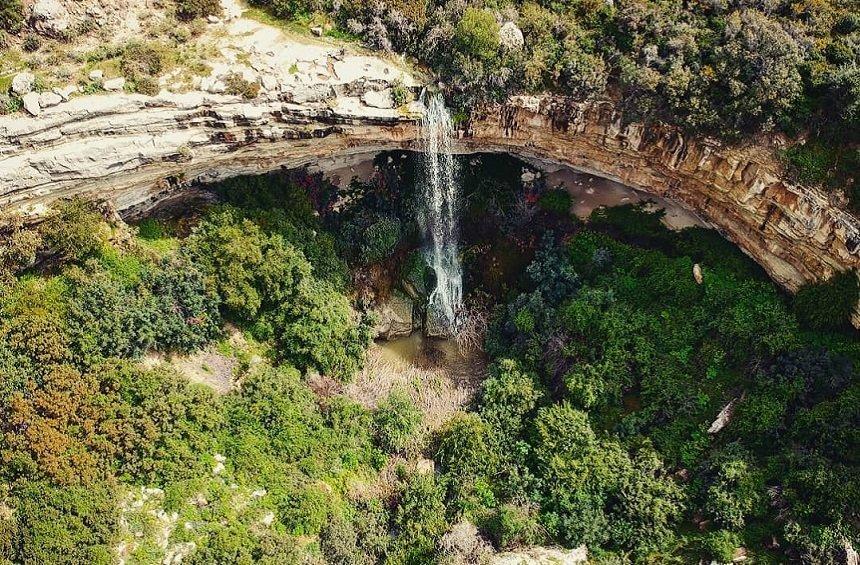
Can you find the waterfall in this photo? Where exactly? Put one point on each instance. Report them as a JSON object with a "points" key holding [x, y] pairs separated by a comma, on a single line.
{"points": [[439, 213]]}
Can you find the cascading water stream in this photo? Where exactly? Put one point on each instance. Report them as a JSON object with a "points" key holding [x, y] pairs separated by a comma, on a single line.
{"points": [[439, 213]]}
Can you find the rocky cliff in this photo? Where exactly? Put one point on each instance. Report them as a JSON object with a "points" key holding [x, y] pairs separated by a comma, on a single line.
{"points": [[794, 232], [134, 150]]}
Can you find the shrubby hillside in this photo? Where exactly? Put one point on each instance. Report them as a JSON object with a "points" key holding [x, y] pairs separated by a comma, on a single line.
{"points": [[609, 364]]}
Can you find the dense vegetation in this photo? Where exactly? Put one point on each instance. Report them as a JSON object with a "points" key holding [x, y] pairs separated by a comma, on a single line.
{"points": [[608, 364], [732, 67]]}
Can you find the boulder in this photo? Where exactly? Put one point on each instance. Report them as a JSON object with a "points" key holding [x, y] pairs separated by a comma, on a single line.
{"points": [[317, 30], [114, 84], [96, 75], [213, 85], [50, 17], [395, 318], [270, 81], [31, 103], [378, 99], [22, 83], [66, 92], [511, 37], [48, 99]]}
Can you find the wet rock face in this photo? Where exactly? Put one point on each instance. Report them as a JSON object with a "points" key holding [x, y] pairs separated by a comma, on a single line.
{"points": [[137, 150]]}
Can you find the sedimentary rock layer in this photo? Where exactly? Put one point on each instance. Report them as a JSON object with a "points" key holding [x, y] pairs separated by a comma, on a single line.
{"points": [[135, 150]]}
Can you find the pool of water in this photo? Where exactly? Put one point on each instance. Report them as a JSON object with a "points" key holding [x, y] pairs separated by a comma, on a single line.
{"points": [[418, 350]]}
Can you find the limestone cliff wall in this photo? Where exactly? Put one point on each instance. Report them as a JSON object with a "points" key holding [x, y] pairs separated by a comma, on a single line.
{"points": [[795, 232], [135, 150]]}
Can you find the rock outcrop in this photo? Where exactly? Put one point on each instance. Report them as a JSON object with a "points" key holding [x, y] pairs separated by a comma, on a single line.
{"points": [[135, 150], [794, 232]]}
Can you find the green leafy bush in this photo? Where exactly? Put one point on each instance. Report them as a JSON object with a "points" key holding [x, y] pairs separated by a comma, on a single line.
{"points": [[828, 304], [477, 33], [556, 201], [74, 231], [190, 9], [396, 421], [11, 15]]}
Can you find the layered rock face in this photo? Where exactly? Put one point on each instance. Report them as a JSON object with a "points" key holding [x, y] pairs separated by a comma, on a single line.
{"points": [[136, 150], [794, 232]]}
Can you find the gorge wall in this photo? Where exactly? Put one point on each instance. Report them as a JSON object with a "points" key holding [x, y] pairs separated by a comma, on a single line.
{"points": [[135, 150]]}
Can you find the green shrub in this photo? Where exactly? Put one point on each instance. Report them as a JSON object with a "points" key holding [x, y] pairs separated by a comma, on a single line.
{"points": [[812, 163], [74, 231], [477, 33], [238, 86], [464, 450], [187, 312], [721, 545], [556, 201], [419, 519], [829, 304], [11, 15], [146, 85], [516, 526], [141, 60], [395, 421], [190, 9], [380, 240], [66, 525]]}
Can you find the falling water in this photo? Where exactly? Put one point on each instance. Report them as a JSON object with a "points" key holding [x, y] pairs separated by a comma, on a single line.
{"points": [[439, 214]]}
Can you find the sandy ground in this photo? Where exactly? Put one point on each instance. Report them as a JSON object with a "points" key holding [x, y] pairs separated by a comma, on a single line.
{"points": [[589, 192]]}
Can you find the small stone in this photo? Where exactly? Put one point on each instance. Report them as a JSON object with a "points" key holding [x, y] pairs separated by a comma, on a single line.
{"points": [[22, 83], [213, 19], [96, 74], [317, 30], [697, 273], [66, 92], [218, 469], [114, 84], [48, 99], [31, 103], [220, 458]]}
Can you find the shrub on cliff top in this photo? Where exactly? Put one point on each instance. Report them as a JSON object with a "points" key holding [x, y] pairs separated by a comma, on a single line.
{"points": [[11, 15], [190, 9]]}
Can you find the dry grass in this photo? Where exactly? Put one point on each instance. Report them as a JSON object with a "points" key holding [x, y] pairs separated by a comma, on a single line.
{"points": [[440, 382]]}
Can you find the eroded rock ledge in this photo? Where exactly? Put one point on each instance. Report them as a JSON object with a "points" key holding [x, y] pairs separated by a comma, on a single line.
{"points": [[794, 232], [135, 150]]}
